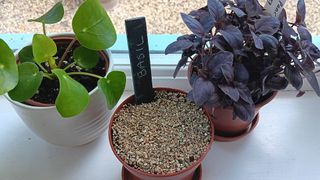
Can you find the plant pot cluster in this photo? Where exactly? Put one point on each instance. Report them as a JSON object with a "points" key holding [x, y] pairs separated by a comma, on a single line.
{"points": [[239, 56]]}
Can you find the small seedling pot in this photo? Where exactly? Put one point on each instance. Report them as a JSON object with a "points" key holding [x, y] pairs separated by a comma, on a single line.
{"points": [[229, 129], [45, 121], [193, 172]]}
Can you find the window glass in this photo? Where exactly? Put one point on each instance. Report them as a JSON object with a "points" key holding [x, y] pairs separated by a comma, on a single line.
{"points": [[162, 15]]}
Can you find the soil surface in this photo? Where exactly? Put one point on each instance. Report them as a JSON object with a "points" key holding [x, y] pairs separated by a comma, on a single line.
{"points": [[49, 89], [161, 137]]}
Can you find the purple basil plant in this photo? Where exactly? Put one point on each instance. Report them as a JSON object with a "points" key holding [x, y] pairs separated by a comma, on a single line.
{"points": [[240, 54]]}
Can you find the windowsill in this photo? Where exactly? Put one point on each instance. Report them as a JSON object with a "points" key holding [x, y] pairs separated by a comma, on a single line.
{"points": [[285, 145]]}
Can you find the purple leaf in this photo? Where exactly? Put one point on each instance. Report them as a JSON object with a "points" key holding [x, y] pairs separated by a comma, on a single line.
{"points": [[213, 102], [216, 9], [312, 79], [241, 73], [230, 91], [193, 25], [294, 77], [245, 94], [219, 42], [207, 21], [301, 12], [270, 44], [227, 72], [217, 61], [276, 83], [190, 37], [287, 31], [308, 64], [257, 41], [202, 91], [282, 15], [193, 78], [178, 46], [300, 94], [238, 12], [183, 61], [204, 17], [311, 49], [304, 33], [233, 36], [310, 76], [267, 25], [244, 110], [253, 8]]}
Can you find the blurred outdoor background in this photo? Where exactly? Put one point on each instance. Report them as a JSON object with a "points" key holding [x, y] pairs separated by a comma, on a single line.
{"points": [[162, 15]]}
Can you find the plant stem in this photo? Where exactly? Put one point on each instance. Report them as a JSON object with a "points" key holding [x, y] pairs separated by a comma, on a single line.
{"points": [[42, 68], [52, 63], [66, 52], [47, 76], [44, 29], [86, 74], [69, 66]]}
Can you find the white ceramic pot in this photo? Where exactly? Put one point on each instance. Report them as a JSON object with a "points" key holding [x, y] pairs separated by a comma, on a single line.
{"points": [[48, 124]]}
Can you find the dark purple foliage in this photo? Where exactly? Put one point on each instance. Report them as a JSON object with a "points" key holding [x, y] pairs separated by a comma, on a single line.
{"points": [[253, 8], [239, 55], [193, 25], [216, 9], [178, 45], [267, 25], [202, 90], [233, 36], [257, 41], [301, 12], [304, 33]]}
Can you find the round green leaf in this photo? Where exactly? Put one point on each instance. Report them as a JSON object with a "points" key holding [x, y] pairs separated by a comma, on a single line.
{"points": [[73, 98], [26, 55], [43, 48], [85, 57], [54, 15], [93, 27], [8, 68], [113, 87], [29, 81]]}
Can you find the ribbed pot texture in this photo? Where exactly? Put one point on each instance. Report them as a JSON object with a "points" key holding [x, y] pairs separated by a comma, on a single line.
{"points": [[47, 123]]}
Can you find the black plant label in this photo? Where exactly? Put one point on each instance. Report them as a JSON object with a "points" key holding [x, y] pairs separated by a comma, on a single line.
{"points": [[140, 59], [275, 7]]}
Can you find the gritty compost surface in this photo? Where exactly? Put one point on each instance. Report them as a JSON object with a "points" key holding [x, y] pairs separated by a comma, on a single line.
{"points": [[161, 137], [49, 89]]}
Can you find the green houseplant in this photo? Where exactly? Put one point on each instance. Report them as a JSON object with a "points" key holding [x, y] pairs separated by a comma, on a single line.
{"points": [[240, 56], [56, 70]]}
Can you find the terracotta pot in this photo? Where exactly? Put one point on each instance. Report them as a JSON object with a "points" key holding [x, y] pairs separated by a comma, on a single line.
{"points": [[186, 174], [227, 128], [45, 121]]}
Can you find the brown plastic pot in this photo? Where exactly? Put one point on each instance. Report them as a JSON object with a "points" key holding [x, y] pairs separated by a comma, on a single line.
{"points": [[227, 128], [186, 174]]}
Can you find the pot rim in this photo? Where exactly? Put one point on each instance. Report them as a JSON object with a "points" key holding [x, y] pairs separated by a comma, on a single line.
{"points": [[52, 106], [198, 162]]}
